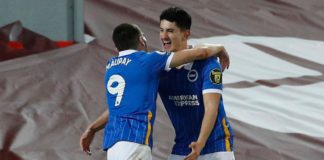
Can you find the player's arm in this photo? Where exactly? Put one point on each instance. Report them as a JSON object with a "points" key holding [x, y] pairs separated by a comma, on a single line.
{"points": [[222, 55], [200, 52], [88, 135], [211, 102]]}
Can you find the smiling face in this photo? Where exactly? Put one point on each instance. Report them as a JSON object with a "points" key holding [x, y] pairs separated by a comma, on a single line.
{"points": [[172, 37]]}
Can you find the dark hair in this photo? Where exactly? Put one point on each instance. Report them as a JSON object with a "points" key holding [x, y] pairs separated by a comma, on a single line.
{"points": [[177, 15], [126, 36]]}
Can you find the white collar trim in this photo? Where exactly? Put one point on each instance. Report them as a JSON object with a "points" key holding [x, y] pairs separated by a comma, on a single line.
{"points": [[126, 52], [186, 66]]}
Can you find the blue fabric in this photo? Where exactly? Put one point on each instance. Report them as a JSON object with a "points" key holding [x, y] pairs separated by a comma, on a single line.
{"points": [[181, 93]]}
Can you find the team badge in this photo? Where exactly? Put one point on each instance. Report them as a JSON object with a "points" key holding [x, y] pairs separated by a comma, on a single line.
{"points": [[192, 75], [216, 76]]}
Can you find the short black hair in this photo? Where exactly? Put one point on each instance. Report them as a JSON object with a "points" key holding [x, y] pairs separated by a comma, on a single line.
{"points": [[177, 15], [126, 36]]}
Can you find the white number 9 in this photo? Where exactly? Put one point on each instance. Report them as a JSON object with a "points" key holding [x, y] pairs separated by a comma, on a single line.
{"points": [[118, 89]]}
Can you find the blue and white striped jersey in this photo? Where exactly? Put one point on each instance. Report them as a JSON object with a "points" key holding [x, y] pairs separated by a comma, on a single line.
{"points": [[181, 91], [131, 82]]}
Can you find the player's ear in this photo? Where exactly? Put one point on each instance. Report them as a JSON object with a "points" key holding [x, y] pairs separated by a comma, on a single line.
{"points": [[143, 42], [187, 33]]}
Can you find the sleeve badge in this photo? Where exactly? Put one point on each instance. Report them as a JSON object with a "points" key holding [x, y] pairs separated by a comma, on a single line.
{"points": [[215, 76]]}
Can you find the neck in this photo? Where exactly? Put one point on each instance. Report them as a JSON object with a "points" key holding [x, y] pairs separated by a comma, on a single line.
{"points": [[183, 46]]}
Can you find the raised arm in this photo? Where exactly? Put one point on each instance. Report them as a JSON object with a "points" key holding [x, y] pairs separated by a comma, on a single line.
{"points": [[202, 51], [222, 55], [88, 135]]}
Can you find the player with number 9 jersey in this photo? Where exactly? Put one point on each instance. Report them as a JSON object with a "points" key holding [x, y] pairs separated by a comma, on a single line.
{"points": [[131, 82]]}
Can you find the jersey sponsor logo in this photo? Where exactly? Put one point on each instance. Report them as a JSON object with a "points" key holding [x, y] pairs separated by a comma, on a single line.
{"points": [[185, 100], [215, 76], [192, 75]]}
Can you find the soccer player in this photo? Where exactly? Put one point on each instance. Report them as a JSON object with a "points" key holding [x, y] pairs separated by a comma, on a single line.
{"points": [[196, 106], [131, 82]]}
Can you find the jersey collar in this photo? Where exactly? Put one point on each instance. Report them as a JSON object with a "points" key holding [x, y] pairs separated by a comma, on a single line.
{"points": [[186, 66], [126, 52]]}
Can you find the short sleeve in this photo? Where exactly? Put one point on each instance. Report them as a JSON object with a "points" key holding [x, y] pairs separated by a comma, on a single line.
{"points": [[212, 76], [159, 61]]}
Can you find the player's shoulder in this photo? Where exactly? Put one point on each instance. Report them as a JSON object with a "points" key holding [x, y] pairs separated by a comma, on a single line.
{"points": [[157, 54], [210, 63], [160, 52], [152, 53], [213, 61], [141, 52]]}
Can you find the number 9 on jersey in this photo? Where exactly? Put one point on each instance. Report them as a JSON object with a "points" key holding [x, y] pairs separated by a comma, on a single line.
{"points": [[115, 86]]}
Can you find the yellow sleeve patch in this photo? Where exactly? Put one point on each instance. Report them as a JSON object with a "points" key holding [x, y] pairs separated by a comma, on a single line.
{"points": [[215, 76]]}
